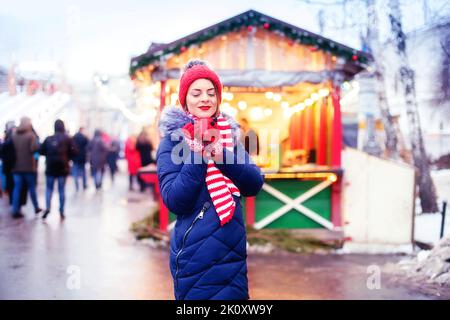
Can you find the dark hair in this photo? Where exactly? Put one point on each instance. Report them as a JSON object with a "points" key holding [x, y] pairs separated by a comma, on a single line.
{"points": [[97, 133], [59, 126]]}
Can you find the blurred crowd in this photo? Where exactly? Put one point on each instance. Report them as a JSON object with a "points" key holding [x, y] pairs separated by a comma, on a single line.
{"points": [[65, 155]]}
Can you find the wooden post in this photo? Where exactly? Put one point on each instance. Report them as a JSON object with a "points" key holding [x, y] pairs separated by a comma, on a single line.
{"points": [[310, 127], [322, 143], [302, 129], [163, 211], [336, 138], [336, 148], [162, 95], [152, 177], [336, 205]]}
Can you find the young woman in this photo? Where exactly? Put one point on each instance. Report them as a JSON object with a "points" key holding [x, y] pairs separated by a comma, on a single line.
{"points": [[202, 173]]}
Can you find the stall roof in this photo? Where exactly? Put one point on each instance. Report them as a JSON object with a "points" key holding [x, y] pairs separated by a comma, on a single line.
{"points": [[250, 18]]}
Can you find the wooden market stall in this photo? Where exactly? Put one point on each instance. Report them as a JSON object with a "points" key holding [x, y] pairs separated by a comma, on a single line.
{"points": [[285, 82]]}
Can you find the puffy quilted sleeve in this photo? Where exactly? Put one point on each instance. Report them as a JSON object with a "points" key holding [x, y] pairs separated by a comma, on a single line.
{"points": [[180, 183], [239, 167]]}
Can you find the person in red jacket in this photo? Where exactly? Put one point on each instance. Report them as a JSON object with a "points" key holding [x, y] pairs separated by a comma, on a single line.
{"points": [[133, 158]]}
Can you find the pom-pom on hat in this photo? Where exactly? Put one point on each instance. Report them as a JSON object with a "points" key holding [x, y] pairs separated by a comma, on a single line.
{"points": [[197, 69]]}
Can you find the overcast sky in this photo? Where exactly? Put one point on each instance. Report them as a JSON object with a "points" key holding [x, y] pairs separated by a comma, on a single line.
{"points": [[89, 36]]}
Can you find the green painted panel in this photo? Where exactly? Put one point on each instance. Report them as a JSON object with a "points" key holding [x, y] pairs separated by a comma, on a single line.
{"points": [[319, 203]]}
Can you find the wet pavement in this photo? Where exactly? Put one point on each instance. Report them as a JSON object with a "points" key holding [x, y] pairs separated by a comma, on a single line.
{"points": [[93, 255]]}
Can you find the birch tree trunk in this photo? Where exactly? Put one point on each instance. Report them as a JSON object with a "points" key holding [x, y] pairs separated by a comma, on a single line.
{"points": [[373, 43], [427, 191]]}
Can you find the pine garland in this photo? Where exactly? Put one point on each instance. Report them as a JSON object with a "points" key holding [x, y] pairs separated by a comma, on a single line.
{"points": [[253, 19]]}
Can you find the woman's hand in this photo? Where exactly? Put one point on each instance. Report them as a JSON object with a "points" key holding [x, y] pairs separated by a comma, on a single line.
{"points": [[188, 131], [214, 151], [201, 134]]}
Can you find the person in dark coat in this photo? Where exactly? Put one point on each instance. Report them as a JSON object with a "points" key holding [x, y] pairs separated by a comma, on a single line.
{"points": [[36, 154], [58, 150], [24, 171], [112, 157], [208, 243], [145, 148], [249, 138], [8, 156], [2, 176], [97, 153], [79, 161]]}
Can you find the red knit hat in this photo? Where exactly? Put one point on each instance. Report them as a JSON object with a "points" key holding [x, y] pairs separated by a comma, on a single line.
{"points": [[198, 72]]}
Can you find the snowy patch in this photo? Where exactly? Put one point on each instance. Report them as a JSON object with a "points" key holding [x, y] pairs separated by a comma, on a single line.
{"points": [[258, 248], [153, 243], [432, 266], [370, 248], [428, 226]]}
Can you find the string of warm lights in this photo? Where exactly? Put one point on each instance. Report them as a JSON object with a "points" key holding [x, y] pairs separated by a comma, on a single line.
{"points": [[315, 96], [258, 113], [302, 175], [249, 21]]}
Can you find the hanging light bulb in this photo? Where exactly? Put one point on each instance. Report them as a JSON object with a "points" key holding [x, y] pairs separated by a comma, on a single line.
{"points": [[269, 94], [242, 105], [309, 102], [332, 177], [299, 107], [324, 92], [314, 96], [267, 112], [232, 111], [287, 113], [227, 96], [277, 97], [284, 105], [256, 113]]}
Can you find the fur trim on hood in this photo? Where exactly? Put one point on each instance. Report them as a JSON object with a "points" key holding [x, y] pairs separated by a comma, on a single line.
{"points": [[173, 119]]}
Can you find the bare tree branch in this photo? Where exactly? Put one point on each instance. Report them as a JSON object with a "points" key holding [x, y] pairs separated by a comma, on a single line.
{"points": [[323, 3], [445, 49]]}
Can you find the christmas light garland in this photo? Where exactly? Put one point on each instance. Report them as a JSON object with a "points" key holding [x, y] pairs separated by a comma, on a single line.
{"points": [[251, 20]]}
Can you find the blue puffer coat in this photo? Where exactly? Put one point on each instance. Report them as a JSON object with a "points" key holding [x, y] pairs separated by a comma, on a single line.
{"points": [[207, 261]]}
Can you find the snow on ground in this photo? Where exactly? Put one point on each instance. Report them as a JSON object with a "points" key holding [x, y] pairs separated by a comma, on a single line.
{"points": [[427, 226], [441, 179], [427, 267]]}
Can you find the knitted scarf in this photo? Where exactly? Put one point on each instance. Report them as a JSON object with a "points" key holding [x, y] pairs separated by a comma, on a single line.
{"points": [[221, 189]]}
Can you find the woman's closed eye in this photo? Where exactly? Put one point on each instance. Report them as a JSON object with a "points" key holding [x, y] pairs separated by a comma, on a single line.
{"points": [[198, 95]]}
